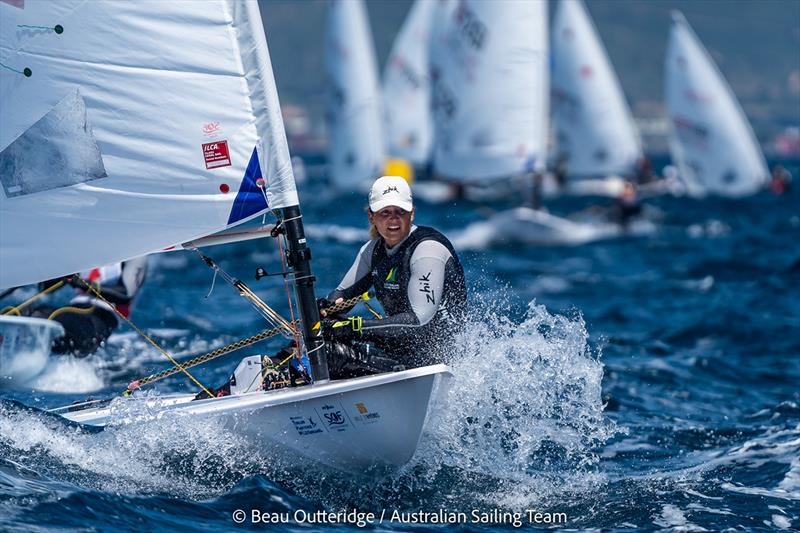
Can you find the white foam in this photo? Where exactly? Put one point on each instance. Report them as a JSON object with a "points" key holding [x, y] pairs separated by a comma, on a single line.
{"points": [[191, 457], [780, 521], [68, 374], [523, 394]]}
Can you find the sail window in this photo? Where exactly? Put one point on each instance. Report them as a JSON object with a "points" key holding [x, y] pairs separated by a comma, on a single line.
{"points": [[59, 150]]}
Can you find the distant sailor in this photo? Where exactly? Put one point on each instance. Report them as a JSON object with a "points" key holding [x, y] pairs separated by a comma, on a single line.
{"points": [[627, 205], [781, 180], [418, 281], [88, 320]]}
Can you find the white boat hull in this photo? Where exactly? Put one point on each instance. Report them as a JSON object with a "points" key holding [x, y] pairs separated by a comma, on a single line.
{"points": [[25, 344], [356, 425]]}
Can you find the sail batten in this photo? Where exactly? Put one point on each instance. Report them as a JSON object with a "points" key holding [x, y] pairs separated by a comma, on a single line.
{"points": [[187, 127]]}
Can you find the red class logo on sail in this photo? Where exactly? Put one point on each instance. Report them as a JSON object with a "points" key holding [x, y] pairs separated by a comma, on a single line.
{"points": [[216, 154]]}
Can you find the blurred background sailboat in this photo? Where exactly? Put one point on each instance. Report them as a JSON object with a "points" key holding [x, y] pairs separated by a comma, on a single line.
{"points": [[710, 139], [407, 90], [490, 93], [355, 133], [597, 143]]}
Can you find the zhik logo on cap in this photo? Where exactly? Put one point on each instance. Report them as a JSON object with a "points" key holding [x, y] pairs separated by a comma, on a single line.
{"points": [[390, 191]]}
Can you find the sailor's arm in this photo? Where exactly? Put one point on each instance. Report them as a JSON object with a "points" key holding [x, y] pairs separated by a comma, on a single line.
{"points": [[358, 279]]}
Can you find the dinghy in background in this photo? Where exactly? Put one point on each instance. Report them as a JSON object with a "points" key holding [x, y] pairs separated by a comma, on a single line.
{"points": [[710, 139]]}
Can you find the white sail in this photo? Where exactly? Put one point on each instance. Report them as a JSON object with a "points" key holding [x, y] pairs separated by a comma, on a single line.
{"points": [[490, 88], [129, 127], [711, 140], [356, 151], [594, 127], [407, 91]]}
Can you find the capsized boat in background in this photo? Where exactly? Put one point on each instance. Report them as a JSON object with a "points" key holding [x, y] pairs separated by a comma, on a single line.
{"points": [[710, 139], [356, 146], [595, 131], [206, 156]]}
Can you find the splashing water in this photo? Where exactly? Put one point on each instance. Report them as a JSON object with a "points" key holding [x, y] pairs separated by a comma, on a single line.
{"points": [[524, 407]]}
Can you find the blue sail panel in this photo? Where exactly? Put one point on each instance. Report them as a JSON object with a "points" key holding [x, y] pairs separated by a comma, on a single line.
{"points": [[250, 199]]}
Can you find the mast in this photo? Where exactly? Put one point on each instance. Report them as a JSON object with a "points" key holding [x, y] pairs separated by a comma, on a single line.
{"points": [[299, 259]]}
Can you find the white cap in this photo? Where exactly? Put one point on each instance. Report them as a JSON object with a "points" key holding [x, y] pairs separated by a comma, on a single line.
{"points": [[390, 190]]}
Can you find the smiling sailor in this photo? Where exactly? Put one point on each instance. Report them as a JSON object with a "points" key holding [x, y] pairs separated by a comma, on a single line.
{"points": [[418, 281]]}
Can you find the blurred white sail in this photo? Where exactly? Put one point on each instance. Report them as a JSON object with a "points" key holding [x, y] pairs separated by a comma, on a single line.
{"points": [[406, 89], [595, 129], [130, 127], [490, 88], [711, 140], [356, 149]]}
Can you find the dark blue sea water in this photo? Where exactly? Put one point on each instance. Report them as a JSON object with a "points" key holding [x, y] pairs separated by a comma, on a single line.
{"points": [[641, 383]]}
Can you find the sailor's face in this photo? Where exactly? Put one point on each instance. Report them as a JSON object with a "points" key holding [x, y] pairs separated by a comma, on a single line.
{"points": [[393, 224]]}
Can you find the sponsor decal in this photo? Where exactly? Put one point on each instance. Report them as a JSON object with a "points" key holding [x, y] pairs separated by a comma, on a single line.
{"points": [[366, 416], [425, 288], [390, 189], [216, 154], [443, 100], [391, 280], [690, 131], [406, 72], [334, 417], [472, 28], [305, 425]]}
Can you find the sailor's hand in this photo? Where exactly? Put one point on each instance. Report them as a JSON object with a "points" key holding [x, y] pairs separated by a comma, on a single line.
{"points": [[348, 328], [324, 304]]}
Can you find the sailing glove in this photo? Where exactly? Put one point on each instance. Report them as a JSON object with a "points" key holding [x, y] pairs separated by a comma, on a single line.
{"points": [[324, 303], [349, 328]]}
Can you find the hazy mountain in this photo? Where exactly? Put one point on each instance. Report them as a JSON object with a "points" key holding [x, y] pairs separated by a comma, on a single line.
{"points": [[756, 44]]}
